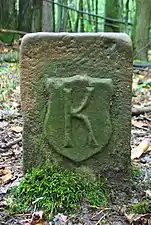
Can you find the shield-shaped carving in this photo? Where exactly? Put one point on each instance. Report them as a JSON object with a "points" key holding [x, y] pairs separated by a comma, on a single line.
{"points": [[77, 122]]}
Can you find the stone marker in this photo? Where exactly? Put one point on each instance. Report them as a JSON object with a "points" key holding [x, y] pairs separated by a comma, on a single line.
{"points": [[76, 101]]}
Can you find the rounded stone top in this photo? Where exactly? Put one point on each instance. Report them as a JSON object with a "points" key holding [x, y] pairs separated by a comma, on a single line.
{"points": [[118, 37]]}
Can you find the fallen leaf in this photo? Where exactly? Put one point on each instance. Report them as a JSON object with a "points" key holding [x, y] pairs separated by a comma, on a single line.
{"points": [[16, 152], [129, 217], [37, 218], [3, 124], [15, 104], [6, 178], [14, 68], [138, 124], [149, 149], [148, 193], [140, 149], [141, 219], [16, 129], [3, 172], [5, 50]]}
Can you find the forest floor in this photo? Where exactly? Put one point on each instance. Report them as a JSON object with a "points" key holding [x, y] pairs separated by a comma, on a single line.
{"points": [[11, 153]]}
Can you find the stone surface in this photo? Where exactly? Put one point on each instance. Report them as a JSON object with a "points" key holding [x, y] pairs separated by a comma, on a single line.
{"points": [[78, 111], [76, 101]]}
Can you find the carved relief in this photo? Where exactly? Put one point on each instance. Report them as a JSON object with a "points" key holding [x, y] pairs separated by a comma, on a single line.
{"points": [[77, 121], [77, 113]]}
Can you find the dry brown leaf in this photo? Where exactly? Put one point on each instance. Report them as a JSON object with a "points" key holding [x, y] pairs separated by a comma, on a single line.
{"points": [[129, 217], [142, 219], [3, 172], [16, 129], [14, 68], [6, 178], [37, 218], [149, 149], [138, 218], [140, 149], [39, 223], [138, 124]]}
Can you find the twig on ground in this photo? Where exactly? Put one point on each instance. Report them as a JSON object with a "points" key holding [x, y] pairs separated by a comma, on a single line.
{"points": [[102, 210], [142, 110], [102, 217], [10, 144]]}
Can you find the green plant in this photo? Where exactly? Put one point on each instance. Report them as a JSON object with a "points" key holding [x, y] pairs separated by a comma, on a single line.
{"points": [[53, 189], [144, 85], [9, 80], [136, 172], [140, 207], [140, 61]]}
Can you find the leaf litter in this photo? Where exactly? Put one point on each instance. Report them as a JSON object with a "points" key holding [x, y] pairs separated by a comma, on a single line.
{"points": [[11, 155]]}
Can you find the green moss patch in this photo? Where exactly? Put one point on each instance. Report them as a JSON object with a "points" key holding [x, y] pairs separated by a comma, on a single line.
{"points": [[141, 207], [55, 189], [136, 173]]}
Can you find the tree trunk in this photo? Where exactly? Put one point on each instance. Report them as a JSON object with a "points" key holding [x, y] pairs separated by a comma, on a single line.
{"points": [[59, 19], [96, 19], [25, 15], [47, 16], [81, 16], [8, 14], [143, 18], [37, 16], [112, 10]]}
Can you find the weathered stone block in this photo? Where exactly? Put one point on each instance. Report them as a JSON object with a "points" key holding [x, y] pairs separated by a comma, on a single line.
{"points": [[76, 101]]}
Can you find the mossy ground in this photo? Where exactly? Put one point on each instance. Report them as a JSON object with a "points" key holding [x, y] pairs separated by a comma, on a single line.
{"points": [[136, 172], [54, 189], [141, 207]]}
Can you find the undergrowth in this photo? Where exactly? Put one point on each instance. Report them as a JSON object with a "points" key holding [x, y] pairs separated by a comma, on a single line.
{"points": [[54, 189], [136, 172], [141, 207]]}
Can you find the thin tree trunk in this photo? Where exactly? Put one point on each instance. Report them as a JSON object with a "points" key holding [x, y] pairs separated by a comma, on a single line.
{"points": [[8, 14], [112, 10], [70, 22], [143, 18], [81, 16], [59, 21], [53, 12], [93, 10], [65, 16], [37, 16], [25, 15], [96, 19], [77, 19], [89, 10], [47, 16], [77, 23], [127, 15]]}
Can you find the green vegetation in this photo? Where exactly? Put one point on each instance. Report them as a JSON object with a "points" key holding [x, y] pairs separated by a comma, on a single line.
{"points": [[140, 61], [141, 207], [9, 82], [136, 172], [53, 189]]}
